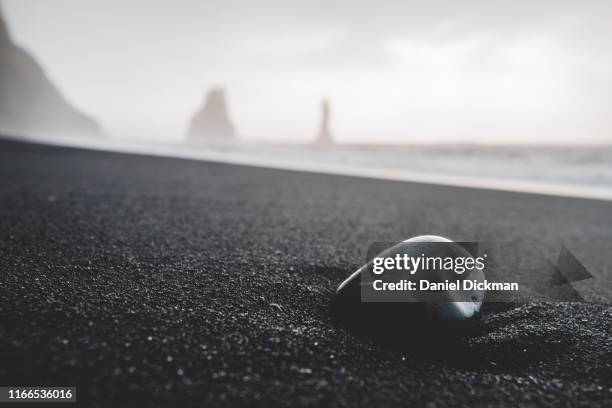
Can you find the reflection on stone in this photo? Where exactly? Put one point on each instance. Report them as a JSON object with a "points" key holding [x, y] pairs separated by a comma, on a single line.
{"points": [[418, 317]]}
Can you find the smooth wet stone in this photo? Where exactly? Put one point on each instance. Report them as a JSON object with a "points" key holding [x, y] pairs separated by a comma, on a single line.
{"points": [[417, 319]]}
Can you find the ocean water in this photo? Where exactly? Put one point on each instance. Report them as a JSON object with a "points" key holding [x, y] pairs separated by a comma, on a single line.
{"points": [[581, 171], [576, 165]]}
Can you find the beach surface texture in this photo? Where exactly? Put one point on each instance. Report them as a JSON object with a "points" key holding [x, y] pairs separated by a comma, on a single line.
{"points": [[152, 281]]}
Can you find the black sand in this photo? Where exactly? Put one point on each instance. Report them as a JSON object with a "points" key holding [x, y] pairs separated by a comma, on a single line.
{"points": [[149, 281]]}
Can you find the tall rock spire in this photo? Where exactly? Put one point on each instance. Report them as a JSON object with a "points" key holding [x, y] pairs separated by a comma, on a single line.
{"points": [[29, 103], [324, 132], [212, 120]]}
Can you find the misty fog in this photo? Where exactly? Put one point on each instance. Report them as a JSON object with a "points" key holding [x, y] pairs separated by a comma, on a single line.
{"points": [[393, 71]]}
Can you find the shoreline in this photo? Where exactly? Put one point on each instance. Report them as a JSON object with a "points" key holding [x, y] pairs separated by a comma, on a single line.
{"points": [[201, 153]]}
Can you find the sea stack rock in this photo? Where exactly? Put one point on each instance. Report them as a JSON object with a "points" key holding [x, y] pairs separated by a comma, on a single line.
{"points": [[29, 103], [212, 122], [324, 132]]}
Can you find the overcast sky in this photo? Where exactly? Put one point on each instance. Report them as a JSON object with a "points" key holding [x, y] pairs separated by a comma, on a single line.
{"points": [[394, 71]]}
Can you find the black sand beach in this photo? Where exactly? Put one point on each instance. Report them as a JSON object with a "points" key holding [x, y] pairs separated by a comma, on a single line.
{"points": [[151, 281]]}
